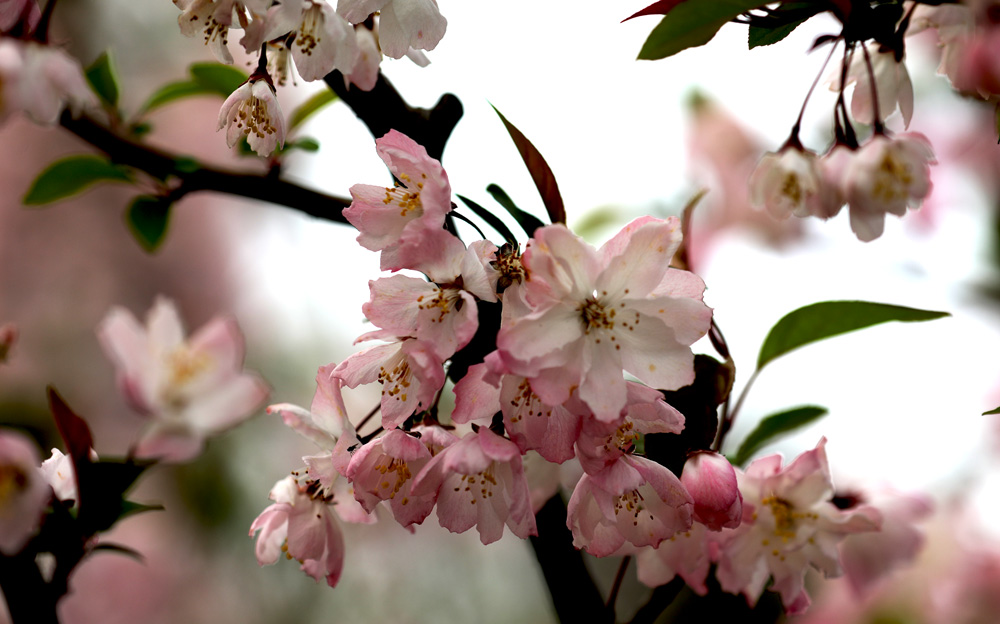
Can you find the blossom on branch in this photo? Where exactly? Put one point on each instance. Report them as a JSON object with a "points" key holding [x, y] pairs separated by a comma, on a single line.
{"points": [[790, 182], [397, 220], [190, 389], [596, 312], [41, 81], [320, 39]]}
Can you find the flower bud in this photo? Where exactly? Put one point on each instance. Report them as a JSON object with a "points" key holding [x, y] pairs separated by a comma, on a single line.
{"points": [[711, 481]]}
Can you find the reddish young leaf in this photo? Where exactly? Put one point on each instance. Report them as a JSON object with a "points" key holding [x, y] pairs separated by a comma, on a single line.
{"points": [[660, 7], [540, 172], [74, 431]]}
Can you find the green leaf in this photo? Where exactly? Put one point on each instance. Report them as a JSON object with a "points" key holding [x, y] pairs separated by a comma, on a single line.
{"points": [[69, 176], [691, 24], [175, 91], [831, 318], [308, 108], [774, 426], [148, 217], [306, 144], [995, 410], [130, 508], [761, 36], [219, 78], [491, 219], [528, 222], [119, 549], [103, 78], [541, 174]]}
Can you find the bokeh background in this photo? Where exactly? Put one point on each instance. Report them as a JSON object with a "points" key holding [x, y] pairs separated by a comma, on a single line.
{"points": [[624, 138]]}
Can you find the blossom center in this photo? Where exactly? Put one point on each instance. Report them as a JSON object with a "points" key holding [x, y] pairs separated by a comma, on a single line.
{"points": [[892, 179], [622, 438], [791, 188], [595, 315], [396, 381], [480, 485], [444, 300], [786, 518], [404, 197], [13, 481], [389, 466], [633, 503], [310, 31], [527, 403], [252, 116]]}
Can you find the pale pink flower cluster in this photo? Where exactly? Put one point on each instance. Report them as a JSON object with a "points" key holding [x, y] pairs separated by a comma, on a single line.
{"points": [[885, 175], [969, 37], [350, 39], [24, 491], [189, 388]]}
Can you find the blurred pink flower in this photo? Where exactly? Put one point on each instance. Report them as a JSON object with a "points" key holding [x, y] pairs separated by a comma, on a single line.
{"points": [[403, 24], [41, 80], [190, 389], [24, 493]]}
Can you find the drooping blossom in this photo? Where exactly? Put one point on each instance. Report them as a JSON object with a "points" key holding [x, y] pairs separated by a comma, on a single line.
{"points": [[189, 389], [24, 492], [886, 175], [479, 482], [711, 481], [252, 110], [892, 84], [790, 182], [403, 24], [300, 524], [398, 220], [631, 503], [320, 39], [41, 80], [597, 312], [788, 524], [409, 370]]}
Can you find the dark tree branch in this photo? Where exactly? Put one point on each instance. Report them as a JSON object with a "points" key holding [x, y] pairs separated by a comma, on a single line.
{"points": [[383, 109], [162, 165], [574, 594]]}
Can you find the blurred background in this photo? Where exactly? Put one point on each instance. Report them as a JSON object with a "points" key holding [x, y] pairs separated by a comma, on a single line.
{"points": [[624, 138]]}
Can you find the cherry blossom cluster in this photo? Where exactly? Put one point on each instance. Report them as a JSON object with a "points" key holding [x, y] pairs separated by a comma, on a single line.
{"points": [[558, 356], [318, 39]]}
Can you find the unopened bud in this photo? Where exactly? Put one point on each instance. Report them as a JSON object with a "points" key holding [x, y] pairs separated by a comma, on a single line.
{"points": [[711, 481]]}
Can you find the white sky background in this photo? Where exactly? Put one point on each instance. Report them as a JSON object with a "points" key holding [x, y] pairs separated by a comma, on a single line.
{"points": [[905, 399]]}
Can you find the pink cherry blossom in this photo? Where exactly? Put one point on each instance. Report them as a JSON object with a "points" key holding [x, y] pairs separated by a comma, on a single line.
{"points": [[13, 12], [190, 389], [479, 481], [403, 24], [711, 481], [631, 503], [252, 111], [24, 493], [322, 39], [788, 524], [409, 370], [597, 312], [300, 524], [212, 19], [790, 183], [398, 220], [383, 470], [886, 175]]}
